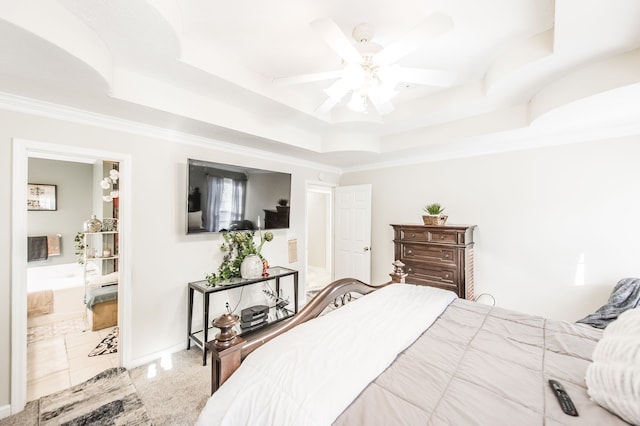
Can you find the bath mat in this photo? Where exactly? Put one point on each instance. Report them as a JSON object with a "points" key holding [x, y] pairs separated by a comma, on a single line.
{"points": [[109, 398], [55, 329], [108, 345]]}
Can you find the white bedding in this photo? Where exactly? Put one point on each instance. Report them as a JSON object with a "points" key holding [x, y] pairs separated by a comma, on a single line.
{"points": [[310, 374]]}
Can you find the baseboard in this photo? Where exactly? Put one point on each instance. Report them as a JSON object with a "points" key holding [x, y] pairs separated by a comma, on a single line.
{"points": [[157, 355], [5, 411]]}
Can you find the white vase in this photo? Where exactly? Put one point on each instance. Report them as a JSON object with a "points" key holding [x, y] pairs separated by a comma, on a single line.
{"points": [[251, 267]]}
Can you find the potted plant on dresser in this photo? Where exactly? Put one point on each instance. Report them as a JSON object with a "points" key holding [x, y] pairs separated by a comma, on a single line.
{"points": [[434, 214]]}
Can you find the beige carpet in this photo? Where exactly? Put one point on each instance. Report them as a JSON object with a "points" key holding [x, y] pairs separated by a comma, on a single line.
{"points": [[173, 390]]}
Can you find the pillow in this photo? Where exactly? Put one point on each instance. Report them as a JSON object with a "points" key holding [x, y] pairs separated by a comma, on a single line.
{"points": [[613, 379], [195, 219]]}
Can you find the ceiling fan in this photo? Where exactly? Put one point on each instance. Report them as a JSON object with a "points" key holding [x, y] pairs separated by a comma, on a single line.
{"points": [[368, 71]]}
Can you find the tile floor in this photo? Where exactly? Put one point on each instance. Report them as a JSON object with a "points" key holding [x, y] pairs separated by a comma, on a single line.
{"points": [[56, 363]]}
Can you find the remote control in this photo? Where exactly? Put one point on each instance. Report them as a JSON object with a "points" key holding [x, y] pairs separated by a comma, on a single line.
{"points": [[563, 398]]}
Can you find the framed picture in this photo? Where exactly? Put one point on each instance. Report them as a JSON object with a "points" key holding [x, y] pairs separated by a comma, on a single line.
{"points": [[41, 197]]}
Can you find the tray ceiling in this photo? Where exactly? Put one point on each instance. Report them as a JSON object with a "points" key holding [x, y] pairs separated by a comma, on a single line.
{"points": [[527, 72]]}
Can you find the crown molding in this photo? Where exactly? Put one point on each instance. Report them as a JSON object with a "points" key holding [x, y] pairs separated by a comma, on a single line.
{"points": [[51, 110], [513, 141]]}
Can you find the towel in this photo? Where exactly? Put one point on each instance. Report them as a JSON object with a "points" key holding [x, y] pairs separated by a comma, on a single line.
{"points": [[37, 248], [625, 295], [53, 244]]}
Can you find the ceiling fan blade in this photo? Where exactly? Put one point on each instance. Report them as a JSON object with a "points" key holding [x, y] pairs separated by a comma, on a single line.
{"points": [[307, 78], [337, 90], [435, 25], [335, 93], [327, 105], [425, 76], [337, 40], [383, 108]]}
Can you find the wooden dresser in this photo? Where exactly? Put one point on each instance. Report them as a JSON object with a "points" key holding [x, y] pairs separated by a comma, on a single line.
{"points": [[438, 256]]}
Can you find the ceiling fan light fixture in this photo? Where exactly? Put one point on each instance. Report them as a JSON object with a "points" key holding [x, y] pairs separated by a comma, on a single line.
{"points": [[368, 71]]}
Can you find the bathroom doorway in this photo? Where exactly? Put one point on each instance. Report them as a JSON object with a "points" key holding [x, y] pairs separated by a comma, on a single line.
{"points": [[54, 341], [66, 345]]}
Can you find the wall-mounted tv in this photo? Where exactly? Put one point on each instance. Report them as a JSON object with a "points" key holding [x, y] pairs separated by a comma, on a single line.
{"points": [[224, 197]]}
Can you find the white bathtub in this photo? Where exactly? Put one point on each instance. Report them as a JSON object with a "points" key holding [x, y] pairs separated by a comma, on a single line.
{"points": [[67, 283]]}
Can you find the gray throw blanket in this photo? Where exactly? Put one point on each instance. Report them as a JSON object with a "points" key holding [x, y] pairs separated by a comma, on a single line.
{"points": [[625, 295]]}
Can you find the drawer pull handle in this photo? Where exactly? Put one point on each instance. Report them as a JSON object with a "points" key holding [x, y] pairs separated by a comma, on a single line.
{"points": [[446, 256], [442, 237], [409, 252], [413, 235], [446, 275]]}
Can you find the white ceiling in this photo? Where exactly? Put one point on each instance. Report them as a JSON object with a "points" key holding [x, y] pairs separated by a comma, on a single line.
{"points": [[528, 72]]}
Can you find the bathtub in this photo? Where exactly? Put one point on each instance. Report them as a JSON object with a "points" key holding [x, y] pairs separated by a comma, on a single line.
{"points": [[55, 289]]}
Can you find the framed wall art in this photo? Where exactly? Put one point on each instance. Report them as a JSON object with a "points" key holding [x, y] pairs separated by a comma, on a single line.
{"points": [[41, 197]]}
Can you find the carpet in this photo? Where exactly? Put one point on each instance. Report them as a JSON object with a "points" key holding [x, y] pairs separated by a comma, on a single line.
{"points": [[108, 345], [109, 398]]}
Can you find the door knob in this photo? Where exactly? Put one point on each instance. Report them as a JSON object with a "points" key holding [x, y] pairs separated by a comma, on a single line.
{"points": [[367, 248]]}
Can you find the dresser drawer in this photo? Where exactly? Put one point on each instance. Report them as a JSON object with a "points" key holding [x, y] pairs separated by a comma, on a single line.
{"points": [[443, 236], [431, 253], [444, 286], [432, 272]]}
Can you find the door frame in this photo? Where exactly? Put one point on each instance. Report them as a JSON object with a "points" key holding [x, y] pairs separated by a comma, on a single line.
{"points": [[328, 188], [22, 148]]}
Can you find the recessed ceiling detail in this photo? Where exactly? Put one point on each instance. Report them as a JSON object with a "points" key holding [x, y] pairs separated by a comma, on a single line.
{"points": [[468, 76]]}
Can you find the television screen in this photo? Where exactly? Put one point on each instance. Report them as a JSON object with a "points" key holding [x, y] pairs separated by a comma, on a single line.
{"points": [[224, 197]]}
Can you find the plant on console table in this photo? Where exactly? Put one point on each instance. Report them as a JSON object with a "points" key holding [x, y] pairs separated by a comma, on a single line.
{"points": [[237, 246]]}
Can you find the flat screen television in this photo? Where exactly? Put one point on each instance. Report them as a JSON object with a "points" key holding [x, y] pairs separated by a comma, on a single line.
{"points": [[224, 197]]}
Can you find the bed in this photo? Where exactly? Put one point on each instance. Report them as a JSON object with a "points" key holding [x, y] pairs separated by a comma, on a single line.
{"points": [[471, 364]]}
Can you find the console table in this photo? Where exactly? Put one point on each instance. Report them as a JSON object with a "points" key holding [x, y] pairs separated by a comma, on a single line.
{"points": [[201, 337]]}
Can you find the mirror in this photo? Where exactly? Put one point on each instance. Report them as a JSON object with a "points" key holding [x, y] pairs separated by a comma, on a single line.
{"points": [[225, 197]]}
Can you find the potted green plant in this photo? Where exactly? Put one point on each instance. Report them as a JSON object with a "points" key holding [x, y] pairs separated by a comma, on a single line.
{"points": [[238, 246], [434, 214], [79, 243]]}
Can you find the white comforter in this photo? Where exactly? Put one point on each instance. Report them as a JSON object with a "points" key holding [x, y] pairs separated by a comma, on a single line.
{"points": [[310, 374]]}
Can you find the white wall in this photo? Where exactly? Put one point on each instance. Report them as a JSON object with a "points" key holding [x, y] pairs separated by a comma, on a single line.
{"points": [[317, 218], [163, 259], [539, 212]]}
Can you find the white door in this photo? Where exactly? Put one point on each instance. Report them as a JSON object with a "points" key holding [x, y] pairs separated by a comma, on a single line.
{"points": [[353, 232]]}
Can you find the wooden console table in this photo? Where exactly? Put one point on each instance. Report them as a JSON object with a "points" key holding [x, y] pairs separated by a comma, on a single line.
{"points": [[201, 337]]}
